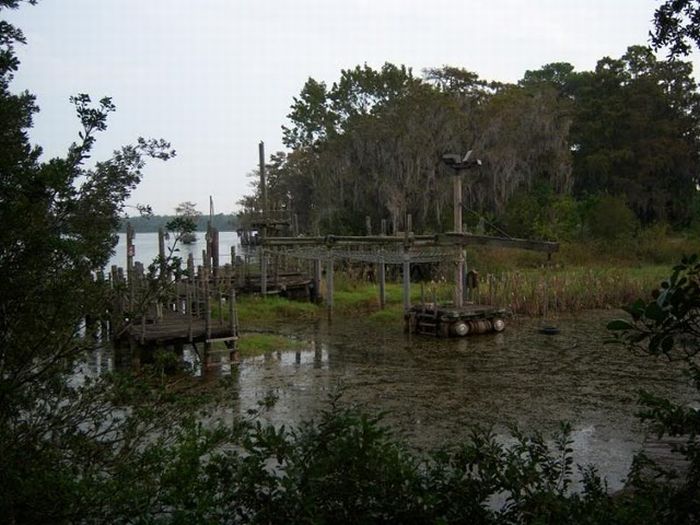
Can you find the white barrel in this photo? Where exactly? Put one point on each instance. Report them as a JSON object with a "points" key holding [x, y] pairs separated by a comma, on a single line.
{"points": [[498, 325], [459, 328]]}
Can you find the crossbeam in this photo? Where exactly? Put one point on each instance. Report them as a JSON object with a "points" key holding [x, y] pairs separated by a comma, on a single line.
{"points": [[443, 239]]}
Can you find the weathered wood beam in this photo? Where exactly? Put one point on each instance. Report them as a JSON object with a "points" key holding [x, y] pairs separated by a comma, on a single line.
{"points": [[443, 239], [468, 239]]}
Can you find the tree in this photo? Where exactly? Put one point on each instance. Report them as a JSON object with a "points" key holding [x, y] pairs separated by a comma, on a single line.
{"points": [[73, 447], [677, 26], [185, 224]]}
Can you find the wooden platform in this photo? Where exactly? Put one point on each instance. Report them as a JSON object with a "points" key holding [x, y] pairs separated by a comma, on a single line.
{"points": [[174, 328], [446, 320]]}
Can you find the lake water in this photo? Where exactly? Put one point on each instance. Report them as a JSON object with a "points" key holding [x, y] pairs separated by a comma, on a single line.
{"points": [[146, 248], [435, 390]]}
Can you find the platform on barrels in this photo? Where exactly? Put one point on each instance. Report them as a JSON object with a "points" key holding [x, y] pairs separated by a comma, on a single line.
{"points": [[447, 320]]}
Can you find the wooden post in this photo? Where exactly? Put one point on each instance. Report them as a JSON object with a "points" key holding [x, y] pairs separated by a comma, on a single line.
{"points": [[263, 271], [215, 252], [130, 250], [368, 224], [190, 313], [232, 311], [295, 225], [382, 284], [205, 260], [161, 251], [190, 268], [457, 226], [406, 280], [317, 279], [382, 271], [263, 183], [329, 284]]}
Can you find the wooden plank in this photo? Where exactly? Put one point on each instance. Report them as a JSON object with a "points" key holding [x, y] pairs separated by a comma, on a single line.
{"points": [[443, 239], [468, 239]]}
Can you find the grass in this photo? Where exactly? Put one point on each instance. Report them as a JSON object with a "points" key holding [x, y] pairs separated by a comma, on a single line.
{"points": [[252, 309], [250, 345], [532, 291]]}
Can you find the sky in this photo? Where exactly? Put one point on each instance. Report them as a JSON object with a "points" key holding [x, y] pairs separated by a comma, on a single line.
{"points": [[215, 77]]}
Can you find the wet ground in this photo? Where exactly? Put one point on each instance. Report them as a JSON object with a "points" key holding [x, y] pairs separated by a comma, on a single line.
{"points": [[435, 390]]}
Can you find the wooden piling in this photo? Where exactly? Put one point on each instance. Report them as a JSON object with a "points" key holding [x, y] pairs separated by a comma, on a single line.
{"points": [[329, 284], [263, 271], [161, 252], [190, 268], [215, 252], [317, 279], [130, 250], [406, 281]]}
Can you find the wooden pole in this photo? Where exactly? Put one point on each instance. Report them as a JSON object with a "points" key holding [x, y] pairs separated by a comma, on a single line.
{"points": [[382, 272], [457, 226], [130, 250], [161, 251], [406, 280], [263, 183], [317, 279], [329, 284], [215, 252], [382, 284], [263, 272], [190, 267]]}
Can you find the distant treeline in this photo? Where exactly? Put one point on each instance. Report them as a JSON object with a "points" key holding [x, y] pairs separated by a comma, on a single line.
{"points": [[145, 224]]}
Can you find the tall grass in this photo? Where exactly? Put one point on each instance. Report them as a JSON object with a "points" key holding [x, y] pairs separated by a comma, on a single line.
{"points": [[547, 291]]}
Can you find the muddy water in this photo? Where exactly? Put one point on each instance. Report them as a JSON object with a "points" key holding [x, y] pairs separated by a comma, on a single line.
{"points": [[435, 390]]}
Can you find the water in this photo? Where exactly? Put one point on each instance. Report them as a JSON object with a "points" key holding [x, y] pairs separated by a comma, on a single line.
{"points": [[146, 248], [435, 390]]}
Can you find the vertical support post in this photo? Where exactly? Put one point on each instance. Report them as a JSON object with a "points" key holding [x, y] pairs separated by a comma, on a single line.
{"points": [[406, 280], [161, 251], [205, 259], [263, 183], [329, 284], [295, 225], [459, 270], [215, 252], [263, 271], [190, 299], [382, 284], [382, 271], [317, 279], [130, 250], [190, 268], [368, 224]]}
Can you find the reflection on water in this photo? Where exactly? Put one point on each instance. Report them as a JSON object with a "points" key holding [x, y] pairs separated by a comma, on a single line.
{"points": [[435, 390]]}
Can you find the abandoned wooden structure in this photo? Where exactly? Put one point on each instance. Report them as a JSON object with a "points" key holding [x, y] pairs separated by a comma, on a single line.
{"points": [[161, 309]]}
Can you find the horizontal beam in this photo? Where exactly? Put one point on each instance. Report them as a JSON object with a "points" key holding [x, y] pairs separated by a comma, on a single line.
{"points": [[467, 239], [330, 240], [443, 239]]}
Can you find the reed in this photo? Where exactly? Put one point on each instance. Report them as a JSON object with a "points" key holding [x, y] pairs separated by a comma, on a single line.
{"points": [[545, 291]]}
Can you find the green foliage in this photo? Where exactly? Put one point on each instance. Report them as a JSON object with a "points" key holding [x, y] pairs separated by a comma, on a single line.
{"points": [[609, 218], [676, 26], [668, 325]]}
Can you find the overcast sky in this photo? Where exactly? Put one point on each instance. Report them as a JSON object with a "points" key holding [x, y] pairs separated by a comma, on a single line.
{"points": [[217, 76]]}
